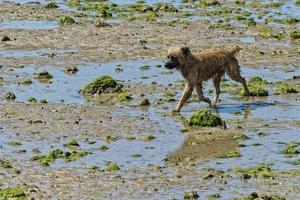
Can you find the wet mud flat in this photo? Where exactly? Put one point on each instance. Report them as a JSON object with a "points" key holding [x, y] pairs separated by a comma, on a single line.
{"points": [[56, 143]]}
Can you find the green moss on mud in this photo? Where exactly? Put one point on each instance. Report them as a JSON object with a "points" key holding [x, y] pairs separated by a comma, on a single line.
{"points": [[124, 96], [51, 5], [66, 20], [256, 90], [26, 81], [14, 143], [31, 99], [259, 171], [239, 136], [190, 195], [44, 76], [103, 148], [16, 193], [255, 196], [285, 88], [71, 144], [257, 80], [74, 155], [102, 84], [47, 159], [291, 149], [5, 164], [295, 35], [111, 166], [230, 154], [145, 67], [204, 118]]}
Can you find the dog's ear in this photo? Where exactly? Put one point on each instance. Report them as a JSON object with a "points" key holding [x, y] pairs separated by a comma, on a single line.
{"points": [[185, 51]]}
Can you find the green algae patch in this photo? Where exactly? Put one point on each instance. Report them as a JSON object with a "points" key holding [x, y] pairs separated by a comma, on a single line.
{"points": [[124, 96], [45, 160], [51, 5], [230, 154], [44, 76], [240, 137], [190, 195], [257, 80], [71, 144], [5, 164], [31, 100], [148, 138], [14, 143], [104, 11], [145, 67], [295, 35], [10, 96], [66, 20], [103, 148], [74, 155], [111, 166], [204, 118], [254, 196], [285, 88], [26, 81], [259, 171], [102, 84], [12, 193], [258, 91], [291, 149], [295, 162], [43, 101]]}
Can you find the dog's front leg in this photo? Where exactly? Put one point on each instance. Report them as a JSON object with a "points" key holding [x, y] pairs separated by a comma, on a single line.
{"points": [[200, 94], [187, 92]]}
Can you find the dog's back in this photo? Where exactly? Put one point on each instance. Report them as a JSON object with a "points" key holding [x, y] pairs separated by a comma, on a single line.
{"points": [[219, 54], [208, 63]]}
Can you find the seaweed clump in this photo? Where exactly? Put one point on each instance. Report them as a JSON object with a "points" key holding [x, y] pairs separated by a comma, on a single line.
{"points": [[259, 171], [51, 5], [12, 193], [285, 89], [101, 85], [66, 20], [205, 118], [45, 160]]}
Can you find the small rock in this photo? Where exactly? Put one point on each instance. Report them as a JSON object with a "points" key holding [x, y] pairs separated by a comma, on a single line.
{"points": [[145, 102], [5, 38], [296, 77], [71, 70], [10, 96], [100, 23], [245, 176]]}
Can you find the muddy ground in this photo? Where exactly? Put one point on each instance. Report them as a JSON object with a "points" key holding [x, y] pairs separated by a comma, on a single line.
{"points": [[124, 150]]}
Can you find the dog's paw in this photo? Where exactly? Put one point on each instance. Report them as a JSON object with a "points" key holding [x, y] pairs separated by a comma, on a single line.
{"points": [[175, 110]]}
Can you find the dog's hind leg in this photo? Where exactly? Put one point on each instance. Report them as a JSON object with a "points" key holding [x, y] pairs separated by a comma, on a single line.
{"points": [[200, 94], [187, 92], [216, 79], [233, 71]]}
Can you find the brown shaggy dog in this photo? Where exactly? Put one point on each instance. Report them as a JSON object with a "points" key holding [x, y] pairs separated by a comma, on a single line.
{"points": [[199, 68]]}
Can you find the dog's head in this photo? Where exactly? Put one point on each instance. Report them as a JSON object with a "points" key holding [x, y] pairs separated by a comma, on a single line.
{"points": [[177, 57]]}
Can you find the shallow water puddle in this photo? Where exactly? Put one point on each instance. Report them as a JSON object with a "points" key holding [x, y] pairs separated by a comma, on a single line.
{"points": [[125, 153], [29, 24], [33, 53], [65, 86]]}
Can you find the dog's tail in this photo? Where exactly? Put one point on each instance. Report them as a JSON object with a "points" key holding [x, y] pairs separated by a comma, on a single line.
{"points": [[234, 50]]}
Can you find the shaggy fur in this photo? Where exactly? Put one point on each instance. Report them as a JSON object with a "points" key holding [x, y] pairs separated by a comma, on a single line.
{"points": [[199, 68]]}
